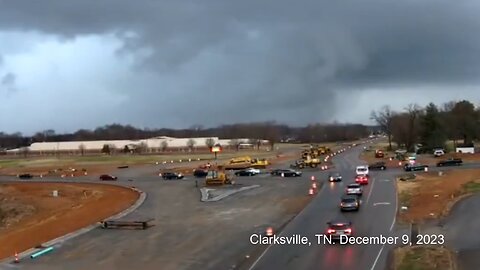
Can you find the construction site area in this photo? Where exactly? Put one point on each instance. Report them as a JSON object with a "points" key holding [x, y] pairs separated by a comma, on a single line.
{"points": [[209, 201]]}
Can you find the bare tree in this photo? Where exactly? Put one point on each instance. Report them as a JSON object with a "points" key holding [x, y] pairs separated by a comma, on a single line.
{"points": [[235, 143], [82, 148], [384, 119], [25, 151], [106, 149], [191, 144], [255, 142], [414, 112], [141, 148], [164, 146], [210, 142]]}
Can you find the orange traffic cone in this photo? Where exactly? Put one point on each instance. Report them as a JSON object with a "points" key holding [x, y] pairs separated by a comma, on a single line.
{"points": [[310, 191], [16, 258]]}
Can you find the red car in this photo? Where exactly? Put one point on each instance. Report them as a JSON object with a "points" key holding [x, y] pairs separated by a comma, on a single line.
{"points": [[107, 177], [361, 179]]}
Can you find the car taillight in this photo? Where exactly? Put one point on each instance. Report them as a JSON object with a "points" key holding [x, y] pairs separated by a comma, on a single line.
{"points": [[348, 230], [330, 231], [342, 204]]}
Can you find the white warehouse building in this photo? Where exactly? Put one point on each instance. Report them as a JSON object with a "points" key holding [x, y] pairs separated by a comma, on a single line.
{"points": [[151, 143]]}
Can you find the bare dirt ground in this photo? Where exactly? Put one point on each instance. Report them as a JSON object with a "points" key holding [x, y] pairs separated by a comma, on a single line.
{"points": [[424, 258], [430, 196], [31, 215]]}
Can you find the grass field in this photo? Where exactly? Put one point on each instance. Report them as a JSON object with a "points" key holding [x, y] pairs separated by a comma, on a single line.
{"points": [[424, 258], [124, 159]]}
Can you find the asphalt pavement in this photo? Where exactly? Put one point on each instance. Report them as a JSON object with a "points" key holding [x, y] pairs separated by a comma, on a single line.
{"points": [[376, 217], [461, 232]]}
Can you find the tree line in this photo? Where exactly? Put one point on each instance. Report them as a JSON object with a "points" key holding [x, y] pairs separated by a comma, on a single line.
{"points": [[271, 131], [431, 126]]}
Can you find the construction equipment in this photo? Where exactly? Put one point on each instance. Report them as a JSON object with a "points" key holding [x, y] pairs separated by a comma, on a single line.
{"points": [[245, 162], [306, 162], [215, 177], [259, 163], [323, 150]]}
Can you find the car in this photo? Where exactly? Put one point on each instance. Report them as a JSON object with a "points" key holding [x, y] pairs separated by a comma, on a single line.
{"points": [[338, 228], [361, 170], [106, 177], [171, 176], [379, 154], [450, 162], [200, 172], [361, 179], [414, 167], [336, 177], [349, 203], [286, 173], [354, 189], [25, 176], [378, 166], [438, 153], [248, 172]]}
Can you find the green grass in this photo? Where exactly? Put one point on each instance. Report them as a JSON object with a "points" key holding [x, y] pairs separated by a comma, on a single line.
{"points": [[426, 258], [471, 187], [404, 198], [125, 159], [413, 261]]}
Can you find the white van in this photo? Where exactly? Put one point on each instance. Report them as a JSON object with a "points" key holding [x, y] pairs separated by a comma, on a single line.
{"points": [[363, 169]]}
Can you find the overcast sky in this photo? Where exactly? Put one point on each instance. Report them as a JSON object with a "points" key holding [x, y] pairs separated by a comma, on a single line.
{"points": [[67, 65]]}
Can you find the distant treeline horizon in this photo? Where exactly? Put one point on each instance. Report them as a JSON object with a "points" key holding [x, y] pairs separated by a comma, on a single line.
{"points": [[271, 131]]}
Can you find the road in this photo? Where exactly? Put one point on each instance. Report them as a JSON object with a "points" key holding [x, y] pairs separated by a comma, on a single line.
{"points": [[376, 217], [460, 232], [187, 234], [153, 248]]}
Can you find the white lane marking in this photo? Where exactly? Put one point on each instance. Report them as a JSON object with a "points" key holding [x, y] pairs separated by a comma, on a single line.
{"points": [[371, 190], [381, 203], [260, 257], [378, 257], [280, 234], [386, 180]]}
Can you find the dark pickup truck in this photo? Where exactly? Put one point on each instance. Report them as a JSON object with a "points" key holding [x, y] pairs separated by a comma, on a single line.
{"points": [[450, 162], [378, 166], [416, 167]]}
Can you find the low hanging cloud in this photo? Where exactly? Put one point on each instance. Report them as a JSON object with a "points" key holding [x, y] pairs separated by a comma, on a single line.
{"points": [[179, 63]]}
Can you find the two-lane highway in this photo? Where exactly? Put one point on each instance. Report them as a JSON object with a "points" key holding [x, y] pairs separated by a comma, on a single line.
{"points": [[376, 217]]}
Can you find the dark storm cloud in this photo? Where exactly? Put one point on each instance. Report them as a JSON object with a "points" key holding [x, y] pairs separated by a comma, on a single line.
{"points": [[259, 60], [7, 82]]}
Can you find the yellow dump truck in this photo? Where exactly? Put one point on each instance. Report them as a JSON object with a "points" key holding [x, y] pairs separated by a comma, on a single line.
{"points": [[215, 178]]}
